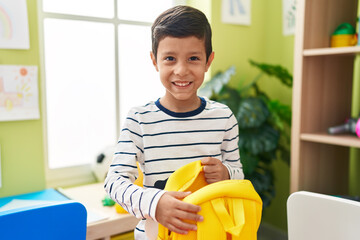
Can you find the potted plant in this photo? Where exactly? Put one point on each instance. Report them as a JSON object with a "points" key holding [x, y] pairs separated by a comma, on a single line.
{"points": [[264, 123]]}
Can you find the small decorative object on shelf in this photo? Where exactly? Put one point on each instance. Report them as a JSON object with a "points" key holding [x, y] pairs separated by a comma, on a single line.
{"points": [[344, 35], [352, 125]]}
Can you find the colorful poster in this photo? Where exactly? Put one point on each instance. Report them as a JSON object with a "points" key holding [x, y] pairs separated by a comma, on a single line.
{"points": [[19, 98], [14, 26], [289, 13], [236, 11]]}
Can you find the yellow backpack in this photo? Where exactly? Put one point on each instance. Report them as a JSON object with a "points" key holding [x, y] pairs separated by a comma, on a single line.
{"points": [[231, 208]]}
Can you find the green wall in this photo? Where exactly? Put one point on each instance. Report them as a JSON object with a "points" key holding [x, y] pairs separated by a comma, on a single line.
{"points": [[22, 160], [354, 177], [236, 44]]}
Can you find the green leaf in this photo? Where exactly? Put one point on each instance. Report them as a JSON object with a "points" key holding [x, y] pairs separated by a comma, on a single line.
{"points": [[215, 84], [268, 157], [230, 97], [263, 182], [258, 140], [275, 70], [252, 112], [284, 153], [280, 113], [249, 162]]}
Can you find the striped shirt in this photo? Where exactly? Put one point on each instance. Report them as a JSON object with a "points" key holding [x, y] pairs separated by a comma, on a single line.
{"points": [[163, 141]]}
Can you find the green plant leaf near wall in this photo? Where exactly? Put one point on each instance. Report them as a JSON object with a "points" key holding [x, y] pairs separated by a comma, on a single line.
{"points": [[275, 70], [259, 139], [252, 112]]}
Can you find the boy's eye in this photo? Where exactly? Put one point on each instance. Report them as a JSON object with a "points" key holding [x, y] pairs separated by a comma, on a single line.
{"points": [[169, 58], [193, 58]]}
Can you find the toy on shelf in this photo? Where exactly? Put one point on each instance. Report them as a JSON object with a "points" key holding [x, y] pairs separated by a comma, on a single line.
{"points": [[344, 35], [352, 125], [107, 201]]}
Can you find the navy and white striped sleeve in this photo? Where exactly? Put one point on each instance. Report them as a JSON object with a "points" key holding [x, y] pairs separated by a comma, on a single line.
{"points": [[123, 171], [230, 149]]}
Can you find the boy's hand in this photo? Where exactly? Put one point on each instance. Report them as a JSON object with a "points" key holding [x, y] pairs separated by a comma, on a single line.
{"points": [[171, 212], [214, 170]]}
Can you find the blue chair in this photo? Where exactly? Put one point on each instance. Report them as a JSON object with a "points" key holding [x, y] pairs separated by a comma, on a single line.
{"points": [[63, 220]]}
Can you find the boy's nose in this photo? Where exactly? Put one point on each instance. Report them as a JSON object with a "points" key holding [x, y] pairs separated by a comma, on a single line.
{"points": [[181, 69]]}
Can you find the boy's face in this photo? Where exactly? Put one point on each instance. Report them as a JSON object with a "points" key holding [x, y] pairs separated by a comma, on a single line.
{"points": [[181, 63]]}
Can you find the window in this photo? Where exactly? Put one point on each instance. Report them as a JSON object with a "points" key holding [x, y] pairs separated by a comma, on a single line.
{"points": [[92, 51]]}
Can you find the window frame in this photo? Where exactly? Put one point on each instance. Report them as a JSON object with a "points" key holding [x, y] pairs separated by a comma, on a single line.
{"points": [[81, 174]]}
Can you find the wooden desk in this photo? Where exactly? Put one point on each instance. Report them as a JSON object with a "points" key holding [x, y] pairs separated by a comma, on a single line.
{"points": [[90, 196]]}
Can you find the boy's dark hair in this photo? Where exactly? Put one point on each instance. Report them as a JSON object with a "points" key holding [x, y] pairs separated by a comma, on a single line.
{"points": [[179, 22]]}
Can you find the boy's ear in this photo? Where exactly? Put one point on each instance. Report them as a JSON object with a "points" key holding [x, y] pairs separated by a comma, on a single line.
{"points": [[154, 61], [209, 61]]}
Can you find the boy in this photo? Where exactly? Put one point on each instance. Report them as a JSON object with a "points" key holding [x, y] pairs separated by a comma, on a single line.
{"points": [[177, 129]]}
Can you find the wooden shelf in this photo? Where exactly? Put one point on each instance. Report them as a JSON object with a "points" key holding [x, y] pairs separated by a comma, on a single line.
{"points": [[342, 140], [332, 51], [322, 96]]}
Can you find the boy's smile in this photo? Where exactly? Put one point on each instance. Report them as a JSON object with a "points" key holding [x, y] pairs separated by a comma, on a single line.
{"points": [[181, 63]]}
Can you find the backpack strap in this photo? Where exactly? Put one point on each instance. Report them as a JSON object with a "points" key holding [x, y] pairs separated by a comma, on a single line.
{"points": [[189, 177], [226, 220]]}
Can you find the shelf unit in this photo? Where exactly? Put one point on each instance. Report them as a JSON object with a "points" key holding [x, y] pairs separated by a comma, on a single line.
{"points": [[322, 96]]}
